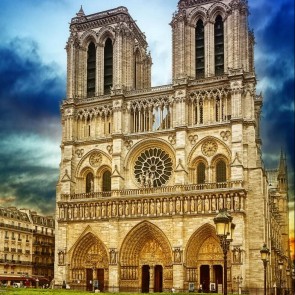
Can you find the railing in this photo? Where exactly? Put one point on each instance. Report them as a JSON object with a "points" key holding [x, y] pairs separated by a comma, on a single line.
{"points": [[2, 224], [176, 189], [8, 261]]}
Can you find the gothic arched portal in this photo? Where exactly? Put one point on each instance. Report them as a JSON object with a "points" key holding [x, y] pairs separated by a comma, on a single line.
{"points": [[204, 257], [89, 263], [146, 252]]}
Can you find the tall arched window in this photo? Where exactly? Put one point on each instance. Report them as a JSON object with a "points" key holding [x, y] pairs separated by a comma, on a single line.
{"points": [[219, 46], [201, 176], [106, 181], [89, 183], [220, 171], [200, 56], [108, 66], [91, 69], [137, 69]]}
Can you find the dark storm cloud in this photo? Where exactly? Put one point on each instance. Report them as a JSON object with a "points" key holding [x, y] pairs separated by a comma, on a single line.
{"points": [[30, 90], [26, 181], [274, 36]]}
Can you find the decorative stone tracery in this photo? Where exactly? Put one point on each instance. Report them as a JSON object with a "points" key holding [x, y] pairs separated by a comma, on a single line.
{"points": [[153, 168]]}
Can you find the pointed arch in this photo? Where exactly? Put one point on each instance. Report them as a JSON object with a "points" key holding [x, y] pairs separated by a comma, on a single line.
{"points": [[223, 149], [218, 8], [89, 251], [80, 167], [196, 14], [87, 37], [139, 238], [197, 240]]}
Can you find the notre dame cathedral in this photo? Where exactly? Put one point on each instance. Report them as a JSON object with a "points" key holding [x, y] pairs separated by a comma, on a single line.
{"points": [[144, 170]]}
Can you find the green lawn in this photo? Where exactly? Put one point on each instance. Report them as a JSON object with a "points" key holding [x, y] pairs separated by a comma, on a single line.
{"points": [[23, 291], [29, 291]]}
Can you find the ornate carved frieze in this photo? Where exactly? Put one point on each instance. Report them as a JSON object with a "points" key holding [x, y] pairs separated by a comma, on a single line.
{"points": [[98, 111], [150, 207], [203, 94]]}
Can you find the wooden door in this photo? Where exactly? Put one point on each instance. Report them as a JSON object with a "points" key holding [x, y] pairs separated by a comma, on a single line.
{"points": [[89, 279], [100, 278], [158, 280], [205, 278], [145, 279]]}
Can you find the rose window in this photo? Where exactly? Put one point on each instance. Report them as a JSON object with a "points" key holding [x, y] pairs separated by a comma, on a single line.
{"points": [[153, 168]]}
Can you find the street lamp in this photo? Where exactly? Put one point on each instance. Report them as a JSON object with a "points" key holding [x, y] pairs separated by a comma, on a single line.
{"points": [[293, 278], [288, 274], [224, 230], [280, 263], [264, 252]]}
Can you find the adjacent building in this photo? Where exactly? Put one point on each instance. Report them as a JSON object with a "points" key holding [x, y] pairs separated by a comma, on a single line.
{"points": [[144, 170], [27, 246]]}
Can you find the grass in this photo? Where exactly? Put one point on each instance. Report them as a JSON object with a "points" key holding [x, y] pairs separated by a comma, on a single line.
{"points": [[23, 291]]}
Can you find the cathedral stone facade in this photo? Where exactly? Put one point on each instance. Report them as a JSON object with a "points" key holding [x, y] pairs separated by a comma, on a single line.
{"points": [[144, 170]]}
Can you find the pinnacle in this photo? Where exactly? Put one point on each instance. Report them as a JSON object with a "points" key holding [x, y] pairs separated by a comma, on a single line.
{"points": [[80, 12]]}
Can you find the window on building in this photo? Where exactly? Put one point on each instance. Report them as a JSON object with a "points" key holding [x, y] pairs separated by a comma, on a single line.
{"points": [[89, 182], [220, 171], [201, 173], [200, 52], [137, 70], [91, 69], [201, 109], [108, 66], [106, 181], [219, 45]]}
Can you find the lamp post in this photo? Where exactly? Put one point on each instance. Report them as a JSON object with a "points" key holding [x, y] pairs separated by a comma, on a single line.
{"points": [[293, 278], [288, 273], [280, 263], [264, 252], [224, 230]]}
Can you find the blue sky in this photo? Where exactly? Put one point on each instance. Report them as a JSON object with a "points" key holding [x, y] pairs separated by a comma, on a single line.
{"points": [[32, 77]]}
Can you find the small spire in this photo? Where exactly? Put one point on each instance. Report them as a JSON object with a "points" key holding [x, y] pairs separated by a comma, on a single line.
{"points": [[80, 12], [282, 164]]}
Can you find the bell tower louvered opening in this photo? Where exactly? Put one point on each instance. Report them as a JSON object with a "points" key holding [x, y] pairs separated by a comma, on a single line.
{"points": [[219, 46], [108, 66], [200, 56], [91, 69]]}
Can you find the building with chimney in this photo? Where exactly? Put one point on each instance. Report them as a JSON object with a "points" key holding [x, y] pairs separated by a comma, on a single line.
{"points": [[26, 247]]}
